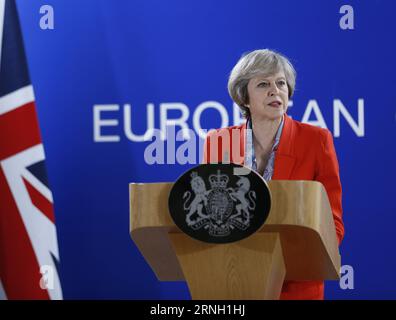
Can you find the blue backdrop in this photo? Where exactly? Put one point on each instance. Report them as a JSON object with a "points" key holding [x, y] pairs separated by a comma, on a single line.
{"points": [[103, 55]]}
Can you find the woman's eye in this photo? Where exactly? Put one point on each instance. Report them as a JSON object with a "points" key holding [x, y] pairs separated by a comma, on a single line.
{"points": [[263, 84], [282, 83]]}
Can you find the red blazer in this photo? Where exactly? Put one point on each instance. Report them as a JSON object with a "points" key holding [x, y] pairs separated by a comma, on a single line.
{"points": [[305, 152]]}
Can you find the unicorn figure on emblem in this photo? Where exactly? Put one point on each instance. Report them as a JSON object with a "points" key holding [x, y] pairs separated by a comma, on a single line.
{"points": [[245, 204]]}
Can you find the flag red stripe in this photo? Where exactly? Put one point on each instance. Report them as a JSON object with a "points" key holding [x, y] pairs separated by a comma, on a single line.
{"points": [[40, 201], [18, 130], [19, 268]]}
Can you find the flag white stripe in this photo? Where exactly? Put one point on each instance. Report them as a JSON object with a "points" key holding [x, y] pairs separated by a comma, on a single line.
{"points": [[16, 99], [2, 6], [3, 295]]}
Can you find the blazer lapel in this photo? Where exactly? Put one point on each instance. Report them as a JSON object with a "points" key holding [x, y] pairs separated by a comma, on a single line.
{"points": [[283, 167], [242, 143]]}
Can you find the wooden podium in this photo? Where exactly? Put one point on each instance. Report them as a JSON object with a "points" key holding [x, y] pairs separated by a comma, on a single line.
{"points": [[297, 242]]}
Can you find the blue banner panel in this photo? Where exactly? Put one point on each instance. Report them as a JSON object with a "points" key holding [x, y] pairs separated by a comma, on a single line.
{"points": [[111, 76]]}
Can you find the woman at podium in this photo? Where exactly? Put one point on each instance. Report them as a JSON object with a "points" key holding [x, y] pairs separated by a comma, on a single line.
{"points": [[276, 146]]}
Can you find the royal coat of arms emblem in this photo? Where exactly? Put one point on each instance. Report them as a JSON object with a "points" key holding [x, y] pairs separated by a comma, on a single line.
{"points": [[213, 204], [214, 209]]}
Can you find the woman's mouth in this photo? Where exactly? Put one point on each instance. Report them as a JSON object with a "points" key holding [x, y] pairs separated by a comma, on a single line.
{"points": [[275, 104]]}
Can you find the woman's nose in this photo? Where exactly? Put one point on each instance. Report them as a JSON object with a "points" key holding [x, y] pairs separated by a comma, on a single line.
{"points": [[273, 89]]}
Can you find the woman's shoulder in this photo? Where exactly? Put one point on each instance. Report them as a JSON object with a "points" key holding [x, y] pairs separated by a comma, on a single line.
{"points": [[305, 129], [307, 137]]}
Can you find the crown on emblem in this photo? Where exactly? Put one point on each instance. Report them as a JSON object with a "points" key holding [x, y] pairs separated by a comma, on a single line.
{"points": [[218, 180]]}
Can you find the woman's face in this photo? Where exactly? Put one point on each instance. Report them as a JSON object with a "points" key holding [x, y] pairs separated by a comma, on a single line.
{"points": [[268, 96]]}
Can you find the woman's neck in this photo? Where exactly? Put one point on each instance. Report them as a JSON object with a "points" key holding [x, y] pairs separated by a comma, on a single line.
{"points": [[264, 131]]}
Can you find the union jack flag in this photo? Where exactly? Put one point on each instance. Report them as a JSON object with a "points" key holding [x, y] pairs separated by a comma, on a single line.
{"points": [[29, 256]]}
